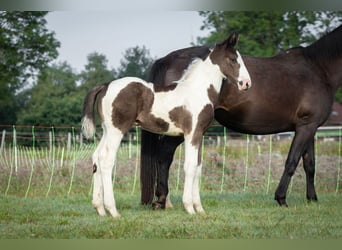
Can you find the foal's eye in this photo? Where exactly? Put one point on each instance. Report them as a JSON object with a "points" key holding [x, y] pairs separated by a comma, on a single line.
{"points": [[233, 60]]}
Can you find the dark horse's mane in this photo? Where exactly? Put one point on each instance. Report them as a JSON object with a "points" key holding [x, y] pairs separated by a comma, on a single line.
{"points": [[328, 47], [157, 72]]}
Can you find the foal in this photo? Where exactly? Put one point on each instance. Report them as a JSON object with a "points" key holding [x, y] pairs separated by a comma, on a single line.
{"points": [[184, 108]]}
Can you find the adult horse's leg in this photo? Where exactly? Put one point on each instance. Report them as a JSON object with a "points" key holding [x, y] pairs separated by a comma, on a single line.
{"points": [[300, 143], [165, 152], [309, 167], [156, 157]]}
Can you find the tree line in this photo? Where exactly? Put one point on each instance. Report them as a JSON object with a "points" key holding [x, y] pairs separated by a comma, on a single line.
{"points": [[34, 91]]}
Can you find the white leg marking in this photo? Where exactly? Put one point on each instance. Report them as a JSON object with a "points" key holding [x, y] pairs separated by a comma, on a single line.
{"points": [[191, 153], [98, 187], [168, 203], [106, 158], [196, 190]]}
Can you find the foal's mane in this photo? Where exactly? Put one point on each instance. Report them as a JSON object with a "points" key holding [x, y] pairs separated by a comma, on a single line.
{"points": [[190, 69], [328, 47], [179, 59]]}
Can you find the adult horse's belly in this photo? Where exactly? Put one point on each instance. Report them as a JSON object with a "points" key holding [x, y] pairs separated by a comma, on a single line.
{"points": [[254, 121]]}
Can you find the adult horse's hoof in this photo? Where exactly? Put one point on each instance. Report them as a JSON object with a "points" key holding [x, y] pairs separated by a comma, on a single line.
{"points": [[313, 199], [158, 206], [281, 202]]}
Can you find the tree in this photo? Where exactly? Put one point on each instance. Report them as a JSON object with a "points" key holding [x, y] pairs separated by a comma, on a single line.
{"points": [[265, 33], [53, 100], [26, 47], [96, 72], [136, 62]]}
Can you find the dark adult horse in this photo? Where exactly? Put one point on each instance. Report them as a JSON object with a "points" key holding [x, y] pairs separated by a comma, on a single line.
{"points": [[294, 91]]}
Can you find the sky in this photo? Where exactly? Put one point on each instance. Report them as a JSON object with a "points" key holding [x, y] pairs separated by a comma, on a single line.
{"points": [[112, 32]]}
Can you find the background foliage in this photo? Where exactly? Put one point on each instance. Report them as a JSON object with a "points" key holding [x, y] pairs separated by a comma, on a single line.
{"points": [[35, 91]]}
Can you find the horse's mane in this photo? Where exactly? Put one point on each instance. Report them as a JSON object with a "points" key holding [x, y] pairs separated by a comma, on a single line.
{"points": [[190, 69], [328, 47], [179, 58]]}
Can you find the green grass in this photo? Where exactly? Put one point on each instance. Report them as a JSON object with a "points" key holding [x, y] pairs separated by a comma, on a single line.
{"points": [[229, 216], [46, 194]]}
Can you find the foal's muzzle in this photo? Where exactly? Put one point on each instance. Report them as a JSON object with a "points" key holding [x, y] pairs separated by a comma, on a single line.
{"points": [[244, 84]]}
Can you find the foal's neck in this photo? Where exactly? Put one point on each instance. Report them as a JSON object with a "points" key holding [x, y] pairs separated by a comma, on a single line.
{"points": [[201, 74]]}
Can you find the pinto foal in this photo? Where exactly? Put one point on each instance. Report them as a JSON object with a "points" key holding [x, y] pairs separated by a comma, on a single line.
{"points": [[184, 108]]}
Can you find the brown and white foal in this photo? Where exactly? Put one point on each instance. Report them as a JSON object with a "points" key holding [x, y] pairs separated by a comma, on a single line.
{"points": [[185, 108]]}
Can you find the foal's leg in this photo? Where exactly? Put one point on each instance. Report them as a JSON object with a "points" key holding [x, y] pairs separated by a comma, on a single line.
{"points": [[191, 154], [107, 156], [196, 185], [195, 190], [97, 180]]}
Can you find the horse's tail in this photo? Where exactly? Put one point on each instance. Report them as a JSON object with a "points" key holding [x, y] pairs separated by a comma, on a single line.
{"points": [[148, 166], [88, 115]]}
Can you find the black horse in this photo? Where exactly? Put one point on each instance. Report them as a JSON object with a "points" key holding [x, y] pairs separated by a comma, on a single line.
{"points": [[293, 91]]}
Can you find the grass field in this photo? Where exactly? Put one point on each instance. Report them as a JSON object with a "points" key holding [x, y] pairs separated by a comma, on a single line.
{"points": [[229, 216], [47, 194]]}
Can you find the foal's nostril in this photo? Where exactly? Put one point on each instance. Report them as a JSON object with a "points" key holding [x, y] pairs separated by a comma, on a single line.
{"points": [[240, 83]]}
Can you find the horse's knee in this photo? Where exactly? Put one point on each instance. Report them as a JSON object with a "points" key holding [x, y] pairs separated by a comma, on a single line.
{"points": [[290, 168]]}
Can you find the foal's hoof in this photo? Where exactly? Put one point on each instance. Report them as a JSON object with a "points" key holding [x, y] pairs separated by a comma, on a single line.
{"points": [[158, 206]]}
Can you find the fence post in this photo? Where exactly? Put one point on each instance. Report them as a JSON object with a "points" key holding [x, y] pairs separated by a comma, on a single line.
{"points": [[269, 165], [224, 158], [15, 148], [339, 161], [246, 164], [50, 141], [73, 161], [69, 142], [81, 140], [3, 140]]}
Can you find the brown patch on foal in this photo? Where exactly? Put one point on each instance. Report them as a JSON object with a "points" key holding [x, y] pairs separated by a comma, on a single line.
{"points": [[203, 122], [182, 118], [133, 104], [213, 94]]}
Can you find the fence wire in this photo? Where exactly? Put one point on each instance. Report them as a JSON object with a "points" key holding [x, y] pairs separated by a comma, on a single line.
{"points": [[56, 161]]}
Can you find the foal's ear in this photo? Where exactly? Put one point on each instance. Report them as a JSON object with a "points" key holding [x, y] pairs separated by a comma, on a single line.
{"points": [[232, 40]]}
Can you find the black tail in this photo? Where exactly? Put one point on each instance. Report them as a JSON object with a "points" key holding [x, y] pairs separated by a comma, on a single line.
{"points": [[148, 166]]}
